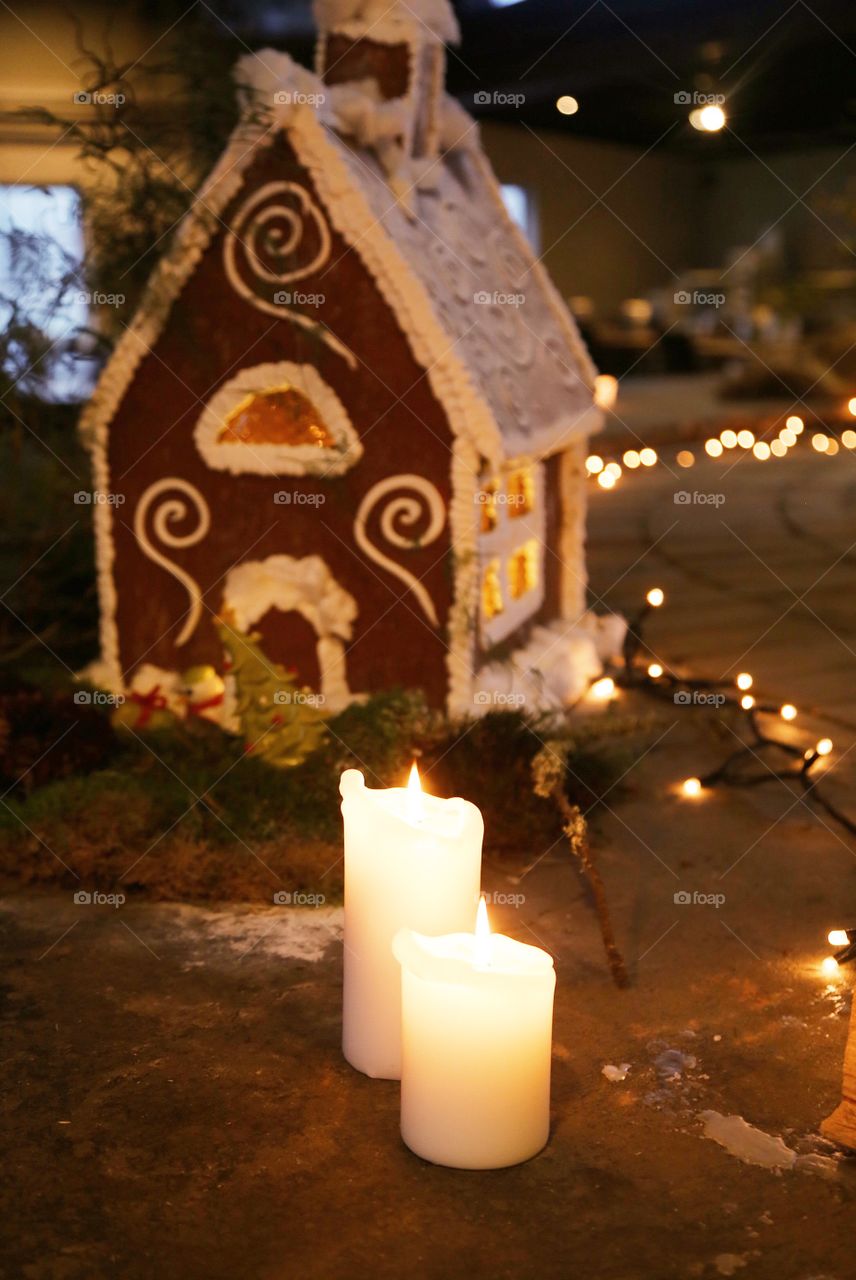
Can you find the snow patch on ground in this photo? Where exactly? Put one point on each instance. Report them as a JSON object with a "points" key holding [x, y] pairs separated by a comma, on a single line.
{"points": [[615, 1074], [284, 933], [747, 1143], [672, 1063]]}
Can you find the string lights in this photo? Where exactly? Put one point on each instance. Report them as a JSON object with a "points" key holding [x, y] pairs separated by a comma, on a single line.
{"points": [[798, 765], [772, 442]]}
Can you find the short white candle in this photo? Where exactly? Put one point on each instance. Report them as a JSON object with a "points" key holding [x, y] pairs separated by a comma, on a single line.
{"points": [[410, 859], [477, 1016]]}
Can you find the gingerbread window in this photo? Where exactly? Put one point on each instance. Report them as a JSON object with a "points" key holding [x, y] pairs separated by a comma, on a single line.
{"points": [[277, 419]]}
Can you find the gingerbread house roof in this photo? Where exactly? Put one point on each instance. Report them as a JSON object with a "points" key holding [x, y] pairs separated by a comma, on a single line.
{"points": [[480, 313]]}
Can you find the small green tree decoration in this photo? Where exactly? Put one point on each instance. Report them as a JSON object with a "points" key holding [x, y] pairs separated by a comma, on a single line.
{"points": [[281, 722]]}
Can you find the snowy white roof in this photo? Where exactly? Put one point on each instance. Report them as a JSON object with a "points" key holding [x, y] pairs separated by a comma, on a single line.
{"points": [[436, 16], [494, 302]]}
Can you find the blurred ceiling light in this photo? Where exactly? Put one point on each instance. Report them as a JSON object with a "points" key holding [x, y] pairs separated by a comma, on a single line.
{"points": [[709, 119], [566, 105]]}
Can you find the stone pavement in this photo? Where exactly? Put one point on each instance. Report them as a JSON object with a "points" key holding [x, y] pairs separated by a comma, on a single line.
{"points": [[175, 1097]]}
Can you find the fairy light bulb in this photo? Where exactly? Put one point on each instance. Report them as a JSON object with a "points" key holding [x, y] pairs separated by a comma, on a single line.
{"points": [[647, 457], [604, 689], [744, 680], [613, 469], [631, 459], [691, 787], [607, 479], [788, 711], [761, 450], [728, 438], [824, 747], [594, 464], [829, 967], [851, 406], [820, 442], [685, 458], [655, 670], [713, 447], [778, 448], [655, 597], [747, 702], [745, 438], [837, 938]]}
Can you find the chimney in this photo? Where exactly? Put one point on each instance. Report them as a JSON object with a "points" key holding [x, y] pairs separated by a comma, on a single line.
{"points": [[401, 47]]}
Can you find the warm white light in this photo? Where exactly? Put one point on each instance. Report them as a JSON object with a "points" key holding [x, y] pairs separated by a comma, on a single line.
{"points": [[848, 439], [837, 938], [594, 464], [795, 424], [655, 670], [655, 597], [613, 469], [851, 405], [647, 457], [829, 967], [604, 689], [713, 447], [745, 438], [606, 480], [820, 442], [778, 448], [824, 747], [482, 944], [567, 105], [728, 438], [415, 798], [605, 390], [833, 448], [761, 450], [747, 702], [788, 711], [685, 458], [744, 680], [631, 459], [788, 437], [691, 787], [709, 119]]}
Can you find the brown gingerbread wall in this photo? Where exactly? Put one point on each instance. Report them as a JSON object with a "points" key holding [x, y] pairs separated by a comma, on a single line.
{"points": [[210, 336]]}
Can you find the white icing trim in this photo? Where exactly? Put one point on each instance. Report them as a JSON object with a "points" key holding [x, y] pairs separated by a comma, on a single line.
{"points": [[307, 586], [174, 509], [278, 459], [407, 511], [572, 532]]}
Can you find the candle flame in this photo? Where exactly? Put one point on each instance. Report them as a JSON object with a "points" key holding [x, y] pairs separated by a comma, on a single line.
{"points": [[481, 950], [415, 805]]}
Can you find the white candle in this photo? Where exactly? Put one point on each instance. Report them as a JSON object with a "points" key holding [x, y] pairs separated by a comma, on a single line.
{"points": [[477, 1015], [410, 859]]}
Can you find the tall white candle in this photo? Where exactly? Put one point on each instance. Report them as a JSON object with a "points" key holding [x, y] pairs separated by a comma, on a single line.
{"points": [[410, 859], [477, 1015]]}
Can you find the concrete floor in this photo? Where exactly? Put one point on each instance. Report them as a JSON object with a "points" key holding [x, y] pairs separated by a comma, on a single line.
{"points": [[175, 1096]]}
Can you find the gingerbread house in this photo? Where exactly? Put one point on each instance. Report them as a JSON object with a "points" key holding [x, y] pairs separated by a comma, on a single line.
{"points": [[352, 410]]}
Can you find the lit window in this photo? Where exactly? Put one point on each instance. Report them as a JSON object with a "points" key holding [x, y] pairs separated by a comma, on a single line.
{"points": [[521, 491], [487, 497], [492, 603], [282, 415], [523, 569], [41, 251]]}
